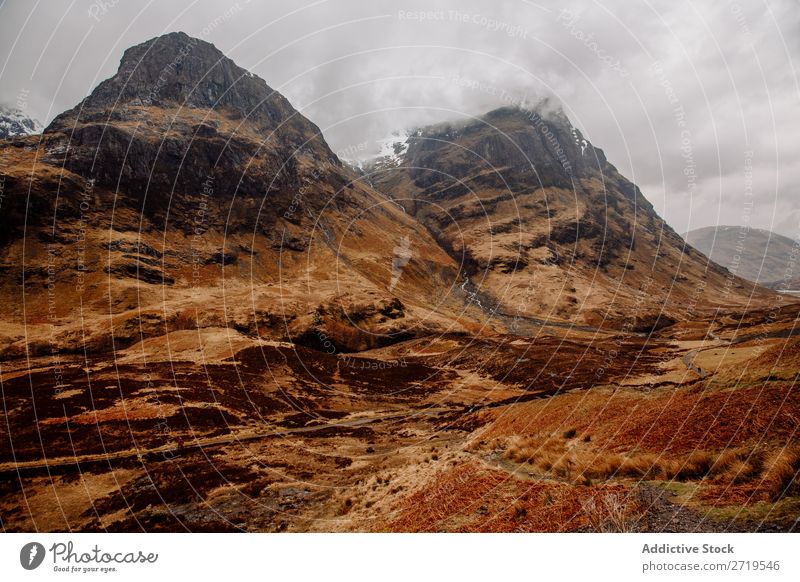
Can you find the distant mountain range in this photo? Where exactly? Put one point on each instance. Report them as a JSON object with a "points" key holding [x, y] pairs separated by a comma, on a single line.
{"points": [[754, 254]]}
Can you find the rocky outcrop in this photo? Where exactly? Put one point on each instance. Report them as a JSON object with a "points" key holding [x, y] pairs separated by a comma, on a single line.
{"points": [[179, 117]]}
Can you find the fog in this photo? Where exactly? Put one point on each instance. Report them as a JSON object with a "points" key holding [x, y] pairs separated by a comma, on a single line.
{"points": [[696, 104]]}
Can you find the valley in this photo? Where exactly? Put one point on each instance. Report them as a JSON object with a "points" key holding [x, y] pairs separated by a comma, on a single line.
{"points": [[452, 433], [212, 323]]}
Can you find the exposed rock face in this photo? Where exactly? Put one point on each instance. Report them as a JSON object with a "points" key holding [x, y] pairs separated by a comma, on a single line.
{"points": [[176, 69], [179, 114], [538, 143], [520, 194]]}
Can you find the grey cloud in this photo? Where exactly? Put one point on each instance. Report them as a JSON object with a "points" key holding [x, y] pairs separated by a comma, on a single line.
{"points": [[360, 70]]}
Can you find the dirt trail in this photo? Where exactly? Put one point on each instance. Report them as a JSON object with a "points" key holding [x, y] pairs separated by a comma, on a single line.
{"points": [[688, 358], [688, 361]]}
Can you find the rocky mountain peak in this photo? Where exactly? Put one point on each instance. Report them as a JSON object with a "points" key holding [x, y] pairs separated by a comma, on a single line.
{"points": [[179, 111], [178, 70]]}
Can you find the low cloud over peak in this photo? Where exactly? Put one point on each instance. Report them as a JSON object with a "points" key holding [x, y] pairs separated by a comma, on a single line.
{"points": [[693, 103]]}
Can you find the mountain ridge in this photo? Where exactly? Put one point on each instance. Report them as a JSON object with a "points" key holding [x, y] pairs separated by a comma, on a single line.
{"points": [[756, 254], [520, 191], [237, 193], [178, 188]]}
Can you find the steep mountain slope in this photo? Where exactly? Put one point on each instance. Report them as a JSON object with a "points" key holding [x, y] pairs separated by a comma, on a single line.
{"points": [[186, 192], [752, 253], [546, 226], [15, 123]]}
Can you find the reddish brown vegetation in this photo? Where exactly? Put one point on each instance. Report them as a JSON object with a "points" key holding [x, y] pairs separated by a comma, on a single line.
{"points": [[474, 498], [676, 421]]}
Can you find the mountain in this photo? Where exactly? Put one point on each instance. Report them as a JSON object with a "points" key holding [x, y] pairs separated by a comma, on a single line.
{"points": [[185, 187], [15, 123], [210, 323], [752, 253], [545, 225], [185, 191]]}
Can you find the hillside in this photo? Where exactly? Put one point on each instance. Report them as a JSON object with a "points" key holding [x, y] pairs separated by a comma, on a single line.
{"points": [[752, 253], [186, 192], [545, 225]]}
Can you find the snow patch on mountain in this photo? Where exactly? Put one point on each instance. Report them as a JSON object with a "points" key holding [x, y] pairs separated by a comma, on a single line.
{"points": [[393, 147], [14, 123], [387, 152]]}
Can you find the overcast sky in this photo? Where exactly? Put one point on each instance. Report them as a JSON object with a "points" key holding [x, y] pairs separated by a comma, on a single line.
{"points": [[697, 102]]}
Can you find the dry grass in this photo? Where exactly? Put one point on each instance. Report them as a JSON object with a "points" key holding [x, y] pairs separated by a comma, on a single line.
{"points": [[475, 498], [182, 320], [781, 474], [611, 513], [576, 461], [697, 466], [672, 422]]}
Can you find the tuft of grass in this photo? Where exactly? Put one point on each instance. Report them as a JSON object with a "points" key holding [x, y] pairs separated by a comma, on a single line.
{"points": [[603, 467], [782, 473], [644, 466], [696, 466], [611, 513], [777, 474], [182, 320]]}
